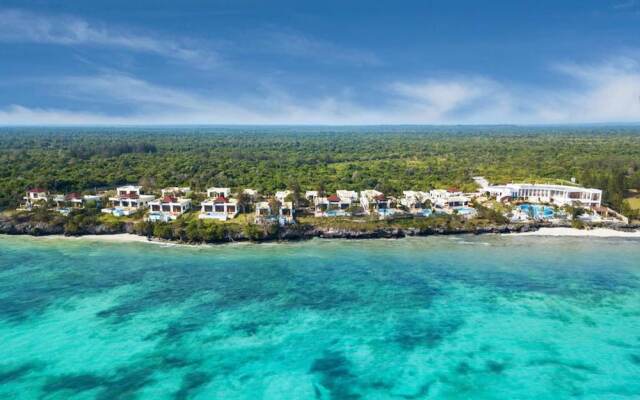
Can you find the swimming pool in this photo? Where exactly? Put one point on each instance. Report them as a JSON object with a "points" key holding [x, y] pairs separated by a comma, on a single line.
{"points": [[465, 210], [537, 211], [336, 213]]}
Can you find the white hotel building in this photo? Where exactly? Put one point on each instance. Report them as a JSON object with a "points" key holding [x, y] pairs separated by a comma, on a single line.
{"points": [[559, 195]]}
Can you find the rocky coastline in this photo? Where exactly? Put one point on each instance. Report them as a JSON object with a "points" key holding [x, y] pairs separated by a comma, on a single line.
{"points": [[10, 226]]}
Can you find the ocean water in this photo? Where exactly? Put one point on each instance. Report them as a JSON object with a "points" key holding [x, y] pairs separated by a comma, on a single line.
{"points": [[487, 317]]}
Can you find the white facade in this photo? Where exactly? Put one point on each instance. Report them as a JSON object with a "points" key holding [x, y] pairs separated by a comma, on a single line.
{"points": [[168, 208], [311, 195], [332, 206], [214, 192], [176, 191], [281, 196], [348, 195], [414, 200], [128, 190], [546, 193], [251, 193], [286, 213], [373, 201], [219, 208], [128, 199], [35, 197], [263, 209]]}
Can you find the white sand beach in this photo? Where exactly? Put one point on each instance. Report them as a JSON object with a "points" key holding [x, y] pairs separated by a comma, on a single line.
{"points": [[115, 238], [597, 232]]}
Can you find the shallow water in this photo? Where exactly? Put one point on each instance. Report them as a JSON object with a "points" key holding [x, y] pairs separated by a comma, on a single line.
{"points": [[487, 317]]}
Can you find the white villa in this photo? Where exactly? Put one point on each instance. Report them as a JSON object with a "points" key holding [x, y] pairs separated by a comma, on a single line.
{"points": [[251, 193], [176, 191], [349, 195], [282, 195], [220, 208], [168, 208], [286, 213], [75, 200], [373, 201], [449, 198], [414, 201], [559, 195], [35, 197], [215, 192], [331, 206], [128, 199], [263, 210], [311, 195]]}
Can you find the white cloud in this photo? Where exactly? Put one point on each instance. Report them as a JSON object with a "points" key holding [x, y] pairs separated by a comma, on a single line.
{"points": [[593, 93], [295, 44], [26, 27]]}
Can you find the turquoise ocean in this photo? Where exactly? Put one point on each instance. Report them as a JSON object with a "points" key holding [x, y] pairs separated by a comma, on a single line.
{"points": [[465, 317]]}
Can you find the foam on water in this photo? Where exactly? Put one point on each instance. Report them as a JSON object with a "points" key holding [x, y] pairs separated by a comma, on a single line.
{"points": [[522, 317]]}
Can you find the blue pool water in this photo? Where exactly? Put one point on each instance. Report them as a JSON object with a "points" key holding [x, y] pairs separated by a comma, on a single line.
{"points": [[537, 210], [465, 317], [336, 213], [464, 210]]}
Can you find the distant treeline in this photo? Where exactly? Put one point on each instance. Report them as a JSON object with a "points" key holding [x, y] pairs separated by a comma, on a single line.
{"points": [[268, 159]]}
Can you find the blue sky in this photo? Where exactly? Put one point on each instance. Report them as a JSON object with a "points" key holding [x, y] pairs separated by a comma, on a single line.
{"points": [[328, 62]]}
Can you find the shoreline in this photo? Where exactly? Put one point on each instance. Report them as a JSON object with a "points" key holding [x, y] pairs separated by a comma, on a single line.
{"points": [[573, 232], [540, 232]]}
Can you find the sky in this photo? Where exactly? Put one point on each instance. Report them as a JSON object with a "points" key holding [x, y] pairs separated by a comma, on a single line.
{"points": [[319, 62]]}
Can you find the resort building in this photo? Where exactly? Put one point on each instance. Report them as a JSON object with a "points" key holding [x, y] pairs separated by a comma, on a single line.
{"points": [[128, 199], [331, 206], [349, 195], [176, 191], [282, 195], [311, 195], [35, 197], [559, 195], [286, 214], [415, 202], [375, 202], [252, 194], [215, 192], [220, 208], [451, 201], [75, 200], [263, 209], [168, 208]]}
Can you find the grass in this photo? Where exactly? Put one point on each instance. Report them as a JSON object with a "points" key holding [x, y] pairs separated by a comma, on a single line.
{"points": [[634, 202]]}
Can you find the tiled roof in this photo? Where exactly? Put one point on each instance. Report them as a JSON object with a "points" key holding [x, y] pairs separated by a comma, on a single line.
{"points": [[220, 199]]}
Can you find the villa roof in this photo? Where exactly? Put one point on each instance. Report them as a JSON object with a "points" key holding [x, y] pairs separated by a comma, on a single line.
{"points": [[380, 197], [333, 198], [220, 199], [168, 199], [73, 195], [37, 190], [453, 189]]}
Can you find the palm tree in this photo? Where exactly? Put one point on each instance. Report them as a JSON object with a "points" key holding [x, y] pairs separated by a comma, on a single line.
{"points": [[244, 200]]}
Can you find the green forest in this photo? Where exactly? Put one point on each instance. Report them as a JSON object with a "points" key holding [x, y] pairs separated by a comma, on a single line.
{"points": [[390, 159]]}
